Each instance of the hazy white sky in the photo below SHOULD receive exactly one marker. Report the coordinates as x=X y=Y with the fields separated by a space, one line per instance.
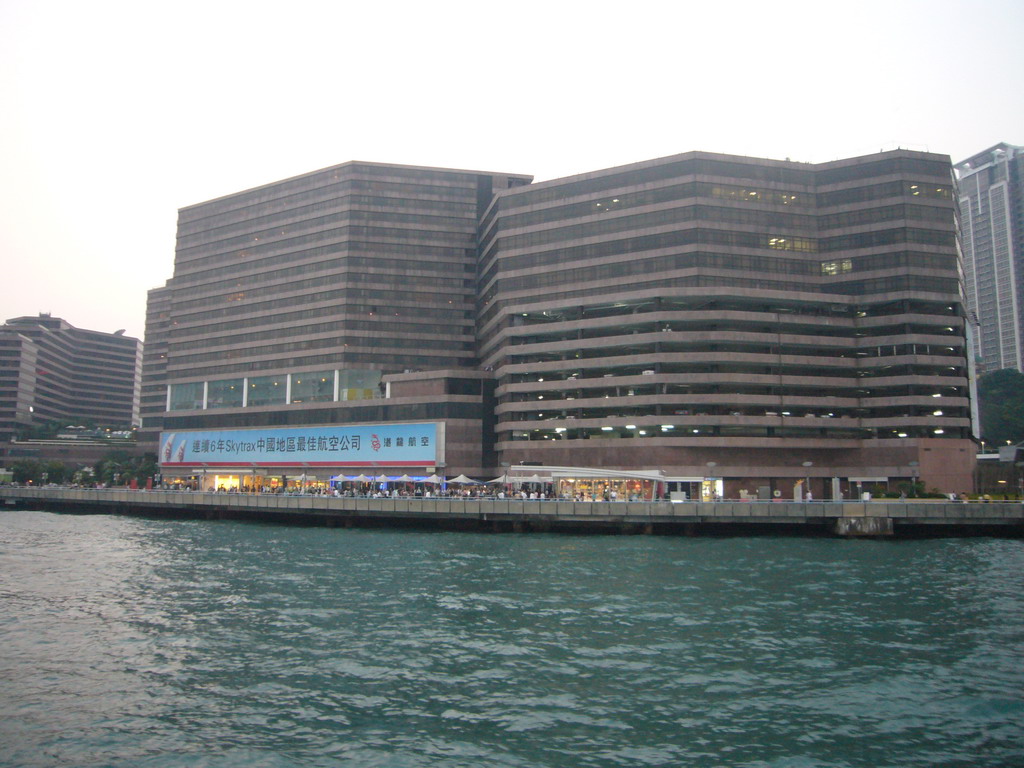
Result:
x=114 y=114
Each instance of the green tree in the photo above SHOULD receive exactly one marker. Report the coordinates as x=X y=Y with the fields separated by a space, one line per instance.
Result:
x=55 y=471
x=1001 y=403
x=27 y=471
x=111 y=467
x=144 y=467
x=120 y=468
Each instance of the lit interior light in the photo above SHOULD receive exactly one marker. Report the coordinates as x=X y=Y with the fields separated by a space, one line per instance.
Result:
x=631 y=426
x=902 y=434
x=666 y=427
x=940 y=431
x=937 y=394
x=936 y=413
x=606 y=429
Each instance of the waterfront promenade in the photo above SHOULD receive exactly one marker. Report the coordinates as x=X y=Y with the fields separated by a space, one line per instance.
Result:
x=847 y=518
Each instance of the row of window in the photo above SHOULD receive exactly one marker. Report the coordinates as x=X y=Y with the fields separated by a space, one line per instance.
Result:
x=278 y=266
x=629 y=247
x=281 y=389
x=292 y=193
x=712 y=352
x=828 y=432
x=746 y=263
x=614 y=202
x=581 y=304
x=690 y=211
x=682 y=378
x=196 y=234
x=796 y=179
x=947 y=287
x=386 y=330
x=287 y=233
x=434 y=294
x=758 y=392
x=418 y=314
x=387 y=347
x=384 y=238
x=396 y=362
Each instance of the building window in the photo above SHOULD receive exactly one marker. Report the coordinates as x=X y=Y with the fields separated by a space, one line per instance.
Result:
x=267 y=390
x=313 y=387
x=225 y=394
x=836 y=267
x=187 y=397
x=354 y=384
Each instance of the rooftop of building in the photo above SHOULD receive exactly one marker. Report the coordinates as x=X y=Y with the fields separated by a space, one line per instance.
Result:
x=47 y=321
x=350 y=164
x=986 y=157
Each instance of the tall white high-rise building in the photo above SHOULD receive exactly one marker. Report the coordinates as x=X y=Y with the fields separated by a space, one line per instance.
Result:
x=992 y=227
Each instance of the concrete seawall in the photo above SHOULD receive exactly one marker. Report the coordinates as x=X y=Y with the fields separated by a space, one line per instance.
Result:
x=875 y=518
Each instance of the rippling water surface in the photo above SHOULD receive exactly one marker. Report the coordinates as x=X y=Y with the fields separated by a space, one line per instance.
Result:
x=139 y=642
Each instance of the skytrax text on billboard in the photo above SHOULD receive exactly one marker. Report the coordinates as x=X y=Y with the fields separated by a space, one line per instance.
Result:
x=391 y=445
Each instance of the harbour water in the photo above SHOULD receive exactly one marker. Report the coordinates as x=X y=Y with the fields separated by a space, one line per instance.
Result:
x=157 y=644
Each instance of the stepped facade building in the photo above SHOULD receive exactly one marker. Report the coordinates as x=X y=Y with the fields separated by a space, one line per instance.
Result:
x=52 y=371
x=726 y=324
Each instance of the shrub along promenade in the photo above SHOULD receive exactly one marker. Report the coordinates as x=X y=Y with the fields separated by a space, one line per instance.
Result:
x=845 y=518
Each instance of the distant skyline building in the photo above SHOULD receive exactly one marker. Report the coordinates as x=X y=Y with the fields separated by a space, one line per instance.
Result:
x=52 y=371
x=736 y=325
x=991 y=198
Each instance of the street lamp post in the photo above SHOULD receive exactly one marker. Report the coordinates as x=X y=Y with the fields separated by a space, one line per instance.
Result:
x=913 y=470
x=807 y=479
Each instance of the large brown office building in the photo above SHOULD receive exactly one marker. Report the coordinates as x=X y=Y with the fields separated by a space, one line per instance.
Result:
x=740 y=325
x=320 y=325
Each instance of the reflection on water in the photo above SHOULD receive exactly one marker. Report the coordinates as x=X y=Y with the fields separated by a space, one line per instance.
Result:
x=134 y=642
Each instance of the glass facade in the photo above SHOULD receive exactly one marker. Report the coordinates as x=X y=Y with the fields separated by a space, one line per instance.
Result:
x=313 y=387
x=187 y=396
x=267 y=390
x=991 y=189
x=226 y=393
x=262 y=391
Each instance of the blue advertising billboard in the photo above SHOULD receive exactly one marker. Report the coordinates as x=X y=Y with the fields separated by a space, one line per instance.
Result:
x=384 y=445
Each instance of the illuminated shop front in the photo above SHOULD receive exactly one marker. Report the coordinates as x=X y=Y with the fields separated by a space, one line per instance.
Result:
x=295 y=458
x=595 y=484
